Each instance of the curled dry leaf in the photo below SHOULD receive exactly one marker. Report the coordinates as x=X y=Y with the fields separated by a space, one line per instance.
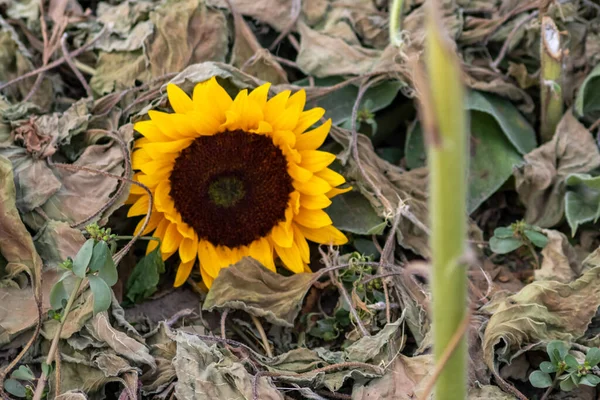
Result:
x=540 y=183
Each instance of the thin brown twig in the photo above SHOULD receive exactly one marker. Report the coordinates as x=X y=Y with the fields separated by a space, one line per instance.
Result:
x=296 y=10
x=54 y=64
x=223 y=319
x=354 y=142
x=121 y=253
x=328 y=368
x=333 y=275
x=71 y=64
x=448 y=351
x=263 y=335
x=594 y=125
x=57 y=361
x=509 y=39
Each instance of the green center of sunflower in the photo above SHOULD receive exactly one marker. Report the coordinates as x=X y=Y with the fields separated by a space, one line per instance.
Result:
x=226 y=191
x=232 y=188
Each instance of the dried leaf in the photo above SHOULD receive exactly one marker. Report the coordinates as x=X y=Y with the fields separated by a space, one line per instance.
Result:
x=582 y=200
x=405 y=379
x=540 y=312
x=204 y=372
x=56 y=241
x=251 y=287
x=560 y=262
x=541 y=181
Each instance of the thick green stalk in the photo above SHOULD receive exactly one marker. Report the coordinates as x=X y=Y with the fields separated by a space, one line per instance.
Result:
x=550 y=79
x=446 y=122
x=396 y=22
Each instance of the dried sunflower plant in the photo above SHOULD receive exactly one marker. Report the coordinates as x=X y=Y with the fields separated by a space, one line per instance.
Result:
x=233 y=178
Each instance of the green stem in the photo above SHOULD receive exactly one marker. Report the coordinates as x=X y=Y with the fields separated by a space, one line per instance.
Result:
x=396 y=22
x=550 y=79
x=448 y=162
x=39 y=390
x=551 y=387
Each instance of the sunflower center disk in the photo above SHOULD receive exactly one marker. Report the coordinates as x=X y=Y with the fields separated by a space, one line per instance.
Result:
x=226 y=191
x=232 y=188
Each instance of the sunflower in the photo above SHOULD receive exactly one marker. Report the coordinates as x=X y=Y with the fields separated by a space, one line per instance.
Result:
x=235 y=178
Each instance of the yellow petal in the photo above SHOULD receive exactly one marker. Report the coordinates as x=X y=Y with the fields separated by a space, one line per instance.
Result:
x=188 y=249
x=301 y=243
x=284 y=138
x=312 y=218
x=171 y=240
x=307 y=119
x=140 y=157
x=210 y=95
x=262 y=252
x=291 y=258
x=166 y=256
x=287 y=120
x=276 y=106
x=294 y=202
x=204 y=123
x=151 y=132
x=142 y=141
x=332 y=177
x=180 y=101
x=325 y=235
x=298 y=173
x=183 y=272
x=158 y=233
x=135 y=189
x=162 y=198
x=312 y=140
x=140 y=207
x=150 y=168
x=259 y=95
x=206 y=278
x=209 y=259
x=178 y=126
x=314 y=186
x=263 y=127
x=155 y=218
x=317 y=202
x=282 y=235
x=185 y=230
x=157 y=150
x=243 y=114
x=316 y=160
x=297 y=100
x=335 y=191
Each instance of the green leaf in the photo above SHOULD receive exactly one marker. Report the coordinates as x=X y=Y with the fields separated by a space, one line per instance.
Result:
x=557 y=351
x=83 y=257
x=593 y=356
x=537 y=238
x=514 y=125
x=101 y=256
x=15 y=388
x=101 y=292
x=58 y=294
x=568 y=383
x=144 y=277
x=548 y=367
x=504 y=246
x=23 y=373
x=504 y=232
x=582 y=200
x=587 y=102
x=46 y=369
x=353 y=213
x=589 y=380
x=493 y=157
x=571 y=362
x=540 y=379
x=338 y=104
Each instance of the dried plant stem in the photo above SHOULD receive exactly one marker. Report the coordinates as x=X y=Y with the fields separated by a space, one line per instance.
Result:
x=54 y=64
x=41 y=384
x=550 y=79
x=445 y=125
x=71 y=64
x=441 y=364
x=263 y=335
x=396 y=22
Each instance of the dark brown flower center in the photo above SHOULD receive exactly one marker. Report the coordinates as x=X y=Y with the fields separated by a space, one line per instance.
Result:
x=232 y=188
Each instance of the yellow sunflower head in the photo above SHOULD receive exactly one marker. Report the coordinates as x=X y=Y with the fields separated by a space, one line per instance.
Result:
x=235 y=178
